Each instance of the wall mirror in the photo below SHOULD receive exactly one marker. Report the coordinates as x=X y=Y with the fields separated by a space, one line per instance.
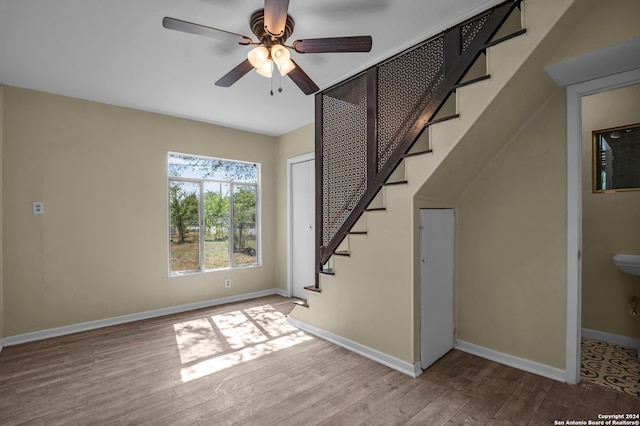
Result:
x=616 y=159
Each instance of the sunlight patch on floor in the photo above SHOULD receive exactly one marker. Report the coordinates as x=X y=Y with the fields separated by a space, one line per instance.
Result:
x=197 y=339
x=209 y=345
x=270 y=320
x=238 y=329
x=213 y=365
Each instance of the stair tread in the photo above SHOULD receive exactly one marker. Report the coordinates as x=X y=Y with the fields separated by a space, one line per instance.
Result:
x=329 y=271
x=440 y=120
x=312 y=288
x=413 y=154
x=301 y=302
x=342 y=253
x=375 y=209
x=400 y=182
x=505 y=38
x=474 y=80
x=357 y=232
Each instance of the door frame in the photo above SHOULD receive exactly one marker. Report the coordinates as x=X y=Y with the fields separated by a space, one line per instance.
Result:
x=602 y=70
x=290 y=162
x=574 y=207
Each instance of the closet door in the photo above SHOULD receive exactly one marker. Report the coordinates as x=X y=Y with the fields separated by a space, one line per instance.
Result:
x=436 y=284
x=303 y=227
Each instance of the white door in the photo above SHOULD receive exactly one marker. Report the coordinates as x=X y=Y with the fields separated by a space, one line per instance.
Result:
x=303 y=227
x=436 y=284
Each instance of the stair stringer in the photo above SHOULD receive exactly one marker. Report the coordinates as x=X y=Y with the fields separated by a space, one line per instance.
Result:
x=374 y=297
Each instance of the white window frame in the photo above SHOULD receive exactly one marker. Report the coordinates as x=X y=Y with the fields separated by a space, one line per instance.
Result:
x=201 y=182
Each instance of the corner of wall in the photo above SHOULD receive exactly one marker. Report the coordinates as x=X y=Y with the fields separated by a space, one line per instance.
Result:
x=1 y=221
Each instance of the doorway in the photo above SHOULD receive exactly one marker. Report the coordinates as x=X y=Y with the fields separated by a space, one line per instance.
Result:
x=574 y=207
x=606 y=69
x=301 y=253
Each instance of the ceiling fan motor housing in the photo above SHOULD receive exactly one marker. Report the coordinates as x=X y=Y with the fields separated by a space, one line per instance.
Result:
x=257 y=27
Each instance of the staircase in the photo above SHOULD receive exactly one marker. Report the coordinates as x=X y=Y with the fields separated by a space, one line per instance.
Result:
x=380 y=137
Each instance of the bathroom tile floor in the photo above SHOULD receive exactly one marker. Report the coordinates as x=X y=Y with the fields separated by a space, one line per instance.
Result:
x=613 y=366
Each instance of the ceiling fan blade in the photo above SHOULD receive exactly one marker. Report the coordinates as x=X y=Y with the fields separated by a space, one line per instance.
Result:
x=189 y=27
x=235 y=74
x=275 y=16
x=302 y=80
x=334 y=44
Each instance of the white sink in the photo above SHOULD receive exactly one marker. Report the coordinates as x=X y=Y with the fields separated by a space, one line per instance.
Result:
x=628 y=263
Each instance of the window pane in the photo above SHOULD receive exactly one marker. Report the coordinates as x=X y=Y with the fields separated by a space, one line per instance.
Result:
x=244 y=225
x=185 y=229
x=216 y=222
x=181 y=165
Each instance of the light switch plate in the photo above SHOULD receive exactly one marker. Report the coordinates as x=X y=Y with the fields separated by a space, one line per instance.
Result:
x=38 y=207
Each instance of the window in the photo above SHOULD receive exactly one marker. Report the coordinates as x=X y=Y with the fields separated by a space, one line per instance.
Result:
x=213 y=211
x=616 y=159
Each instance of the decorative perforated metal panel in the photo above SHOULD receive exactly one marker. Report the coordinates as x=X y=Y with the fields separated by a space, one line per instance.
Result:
x=402 y=95
x=469 y=31
x=406 y=84
x=344 y=152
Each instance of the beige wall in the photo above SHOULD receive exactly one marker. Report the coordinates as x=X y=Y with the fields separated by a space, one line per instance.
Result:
x=369 y=300
x=596 y=24
x=1 y=203
x=292 y=144
x=100 y=249
x=511 y=244
x=609 y=223
x=511 y=232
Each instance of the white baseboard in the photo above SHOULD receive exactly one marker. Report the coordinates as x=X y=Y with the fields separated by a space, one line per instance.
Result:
x=281 y=292
x=512 y=361
x=614 y=339
x=413 y=370
x=92 y=325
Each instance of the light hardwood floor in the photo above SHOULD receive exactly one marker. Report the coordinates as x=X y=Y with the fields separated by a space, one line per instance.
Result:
x=241 y=363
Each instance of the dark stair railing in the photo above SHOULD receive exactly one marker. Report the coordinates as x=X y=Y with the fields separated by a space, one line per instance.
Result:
x=367 y=124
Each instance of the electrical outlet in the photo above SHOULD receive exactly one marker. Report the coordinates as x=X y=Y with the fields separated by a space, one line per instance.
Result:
x=38 y=207
x=227 y=282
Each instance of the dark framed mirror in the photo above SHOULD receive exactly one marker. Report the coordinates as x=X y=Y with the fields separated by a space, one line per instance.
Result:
x=616 y=159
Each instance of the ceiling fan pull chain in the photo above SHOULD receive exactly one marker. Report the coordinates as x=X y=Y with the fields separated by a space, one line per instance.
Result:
x=280 y=80
x=271 y=85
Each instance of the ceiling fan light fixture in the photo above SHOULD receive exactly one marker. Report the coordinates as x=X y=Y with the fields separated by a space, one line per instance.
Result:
x=266 y=69
x=258 y=56
x=286 y=67
x=280 y=54
x=272 y=26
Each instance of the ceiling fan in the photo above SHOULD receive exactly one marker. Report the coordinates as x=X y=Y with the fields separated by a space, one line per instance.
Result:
x=273 y=26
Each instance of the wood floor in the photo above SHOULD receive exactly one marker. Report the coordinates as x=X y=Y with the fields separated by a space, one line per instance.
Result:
x=241 y=363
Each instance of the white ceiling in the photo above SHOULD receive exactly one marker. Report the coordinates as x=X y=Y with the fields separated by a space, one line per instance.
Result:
x=117 y=52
